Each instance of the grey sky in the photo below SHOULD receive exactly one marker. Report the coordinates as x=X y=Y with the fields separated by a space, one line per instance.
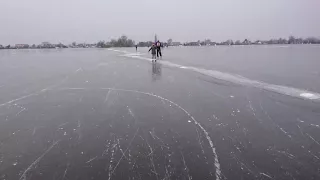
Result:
x=34 y=21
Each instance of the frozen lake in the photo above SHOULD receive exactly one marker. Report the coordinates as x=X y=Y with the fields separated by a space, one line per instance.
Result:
x=244 y=112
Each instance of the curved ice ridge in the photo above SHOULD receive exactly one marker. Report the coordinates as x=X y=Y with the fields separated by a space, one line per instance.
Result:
x=237 y=79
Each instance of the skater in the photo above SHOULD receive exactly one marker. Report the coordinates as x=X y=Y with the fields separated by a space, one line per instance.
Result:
x=153 y=50
x=136 y=48
x=159 y=49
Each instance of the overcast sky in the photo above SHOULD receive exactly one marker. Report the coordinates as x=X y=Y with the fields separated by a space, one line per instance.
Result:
x=35 y=21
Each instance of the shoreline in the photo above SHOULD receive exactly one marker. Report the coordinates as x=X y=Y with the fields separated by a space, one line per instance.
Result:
x=276 y=45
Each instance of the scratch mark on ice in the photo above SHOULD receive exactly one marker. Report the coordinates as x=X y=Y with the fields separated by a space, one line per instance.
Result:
x=154 y=136
x=92 y=159
x=300 y=120
x=281 y=129
x=315 y=125
x=199 y=140
x=135 y=134
x=151 y=159
x=266 y=175
x=65 y=172
x=34 y=131
x=313 y=139
x=21 y=111
x=185 y=167
x=300 y=130
x=78 y=130
x=122 y=150
x=18 y=99
x=131 y=113
x=215 y=117
x=35 y=93
x=243 y=165
x=111 y=159
x=32 y=165
x=80 y=69
x=285 y=132
x=285 y=153
x=107 y=96
x=314 y=155
x=105 y=152
x=253 y=111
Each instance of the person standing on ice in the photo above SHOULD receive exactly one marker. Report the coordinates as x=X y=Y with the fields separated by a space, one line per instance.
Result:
x=158 y=44
x=153 y=50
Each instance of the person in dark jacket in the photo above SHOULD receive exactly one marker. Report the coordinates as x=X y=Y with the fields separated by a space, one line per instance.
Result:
x=153 y=50
x=158 y=44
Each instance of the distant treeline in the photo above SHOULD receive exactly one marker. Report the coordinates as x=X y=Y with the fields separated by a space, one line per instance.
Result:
x=290 y=40
x=124 y=41
x=208 y=42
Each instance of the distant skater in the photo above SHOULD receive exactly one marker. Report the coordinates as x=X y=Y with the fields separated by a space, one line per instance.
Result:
x=159 y=49
x=136 y=48
x=153 y=50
